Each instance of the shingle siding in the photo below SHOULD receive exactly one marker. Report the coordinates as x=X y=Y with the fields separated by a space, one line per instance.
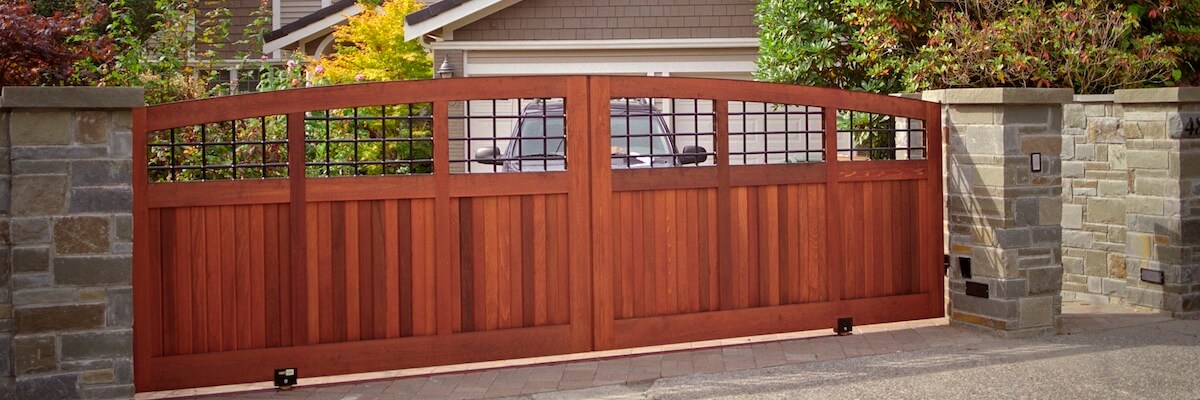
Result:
x=241 y=15
x=615 y=19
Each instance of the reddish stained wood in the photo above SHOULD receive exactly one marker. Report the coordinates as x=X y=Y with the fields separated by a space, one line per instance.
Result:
x=670 y=289
x=724 y=243
x=301 y=297
x=682 y=328
x=352 y=267
x=176 y=372
x=391 y=255
x=833 y=232
x=272 y=283
x=315 y=276
x=859 y=171
x=538 y=248
x=365 y=188
x=591 y=324
x=456 y=271
x=770 y=219
x=159 y=271
x=777 y=174
x=504 y=266
x=405 y=242
x=257 y=288
x=322 y=230
x=216 y=193
x=380 y=268
x=241 y=275
x=690 y=227
x=443 y=256
x=430 y=298
x=148 y=267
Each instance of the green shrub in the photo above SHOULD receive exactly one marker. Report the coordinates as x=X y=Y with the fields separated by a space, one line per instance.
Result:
x=1091 y=46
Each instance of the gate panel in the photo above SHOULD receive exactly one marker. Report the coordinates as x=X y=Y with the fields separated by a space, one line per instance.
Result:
x=819 y=204
x=330 y=233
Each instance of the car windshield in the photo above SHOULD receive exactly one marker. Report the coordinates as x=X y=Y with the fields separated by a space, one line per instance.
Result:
x=544 y=136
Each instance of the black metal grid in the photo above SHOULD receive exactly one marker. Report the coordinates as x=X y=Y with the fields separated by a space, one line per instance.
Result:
x=653 y=132
x=527 y=135
x=369 y=141
x=866 y=136
x=770 y=133
x=253 y=148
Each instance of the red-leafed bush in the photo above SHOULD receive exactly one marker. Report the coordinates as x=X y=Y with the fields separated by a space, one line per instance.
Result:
x=49 y=50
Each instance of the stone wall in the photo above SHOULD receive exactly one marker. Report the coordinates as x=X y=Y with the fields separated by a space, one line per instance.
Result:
x=1162 y=128
x=66 y=311
x=1002 y=216
x=1096 y=182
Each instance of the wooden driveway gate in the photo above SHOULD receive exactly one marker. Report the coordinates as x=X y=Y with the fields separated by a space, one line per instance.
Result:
x=349 y=228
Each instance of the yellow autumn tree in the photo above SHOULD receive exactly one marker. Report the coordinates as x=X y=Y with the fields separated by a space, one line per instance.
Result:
x=371 y=47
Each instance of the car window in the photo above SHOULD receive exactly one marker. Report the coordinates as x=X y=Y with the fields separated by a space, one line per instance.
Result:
x=544 y=136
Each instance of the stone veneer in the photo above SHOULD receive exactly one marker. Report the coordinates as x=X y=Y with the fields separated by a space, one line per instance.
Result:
x=1162 y=129
x=1002 y=216
x=1096 y=183
x=66 y=311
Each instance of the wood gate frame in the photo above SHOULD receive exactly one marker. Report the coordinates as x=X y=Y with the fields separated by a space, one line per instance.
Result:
x=278 y=296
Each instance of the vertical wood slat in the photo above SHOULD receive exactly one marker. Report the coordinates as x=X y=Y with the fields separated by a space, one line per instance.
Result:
x=597 y=163
x=300 y=323
x=443 y=256
x=833 y=234
x=930 y=217
x=148 y=272
x=724 y=223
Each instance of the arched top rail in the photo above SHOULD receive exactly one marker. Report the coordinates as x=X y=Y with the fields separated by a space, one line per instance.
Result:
x=282 y=102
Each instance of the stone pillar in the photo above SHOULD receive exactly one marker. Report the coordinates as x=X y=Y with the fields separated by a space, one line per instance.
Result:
x=1162 y=128
x=66 y=311
x=1003 y=217
x=1095 y=185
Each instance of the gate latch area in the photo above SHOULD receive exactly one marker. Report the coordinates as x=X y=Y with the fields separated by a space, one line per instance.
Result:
x=845 y=326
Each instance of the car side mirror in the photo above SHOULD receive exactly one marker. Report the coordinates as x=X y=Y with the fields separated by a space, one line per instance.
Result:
x=692 y=155
x=487 y=155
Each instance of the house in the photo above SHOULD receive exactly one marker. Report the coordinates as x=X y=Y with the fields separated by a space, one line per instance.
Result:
x=704 y=38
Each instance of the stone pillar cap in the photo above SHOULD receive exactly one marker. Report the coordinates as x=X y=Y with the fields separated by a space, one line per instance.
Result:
x=999 y=96
x=1158 y=95
x=83 y=97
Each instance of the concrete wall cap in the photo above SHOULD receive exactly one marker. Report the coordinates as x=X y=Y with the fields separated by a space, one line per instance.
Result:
x=72 y=97
x=999 y=96
x=1158 y=95
x=1095 y=98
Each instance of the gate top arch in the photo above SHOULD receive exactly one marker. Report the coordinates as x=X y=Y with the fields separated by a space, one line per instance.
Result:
x=347 y=229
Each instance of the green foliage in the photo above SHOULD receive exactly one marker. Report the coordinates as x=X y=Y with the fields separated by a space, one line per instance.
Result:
x=848 y=44
x=371 y=47
x=176 y=58
x=888 y=46
x=1178 y=21
x=1087 y=45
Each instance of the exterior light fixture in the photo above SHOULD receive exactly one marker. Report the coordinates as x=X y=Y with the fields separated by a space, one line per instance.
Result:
x=445 y=70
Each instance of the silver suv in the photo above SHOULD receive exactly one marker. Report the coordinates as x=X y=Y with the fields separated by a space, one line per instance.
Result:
x=640 y=139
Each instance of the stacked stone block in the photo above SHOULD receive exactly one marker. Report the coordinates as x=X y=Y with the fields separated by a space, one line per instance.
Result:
x=1096 y=181
x=66 y=297
x=1162 y=127
x=1001 y=215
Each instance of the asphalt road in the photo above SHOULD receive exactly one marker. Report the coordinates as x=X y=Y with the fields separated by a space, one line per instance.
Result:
x=1155 y=361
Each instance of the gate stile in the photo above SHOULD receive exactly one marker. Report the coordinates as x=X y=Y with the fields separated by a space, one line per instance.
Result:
x=332 y=275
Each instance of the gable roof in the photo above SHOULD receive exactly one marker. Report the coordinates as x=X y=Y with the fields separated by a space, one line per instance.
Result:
x=450 y=13
x=323 y=20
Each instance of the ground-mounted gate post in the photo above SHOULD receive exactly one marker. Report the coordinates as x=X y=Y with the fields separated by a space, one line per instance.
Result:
x=66 y=308
x=1004 y=207
x=1162 y=128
